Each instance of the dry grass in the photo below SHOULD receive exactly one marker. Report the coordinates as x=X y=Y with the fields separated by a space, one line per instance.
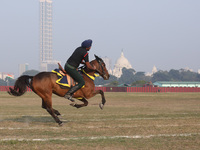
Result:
x=129 y=121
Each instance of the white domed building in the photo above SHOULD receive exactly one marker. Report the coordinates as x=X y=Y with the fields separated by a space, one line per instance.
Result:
x=154 y=70
x=121 y=63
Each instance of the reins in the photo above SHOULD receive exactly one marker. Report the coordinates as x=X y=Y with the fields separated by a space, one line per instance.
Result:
x=98 y=71
x=101 y=73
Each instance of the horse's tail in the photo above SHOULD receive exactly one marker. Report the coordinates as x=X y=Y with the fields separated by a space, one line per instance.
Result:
x=20 y=85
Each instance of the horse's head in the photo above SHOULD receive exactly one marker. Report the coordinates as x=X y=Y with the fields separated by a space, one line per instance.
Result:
x=101 y=67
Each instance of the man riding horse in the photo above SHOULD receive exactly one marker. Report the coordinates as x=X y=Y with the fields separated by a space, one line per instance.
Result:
x=79 y=56
x=44 y=83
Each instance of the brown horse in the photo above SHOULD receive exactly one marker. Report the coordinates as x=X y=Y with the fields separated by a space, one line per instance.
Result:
x=44 y=84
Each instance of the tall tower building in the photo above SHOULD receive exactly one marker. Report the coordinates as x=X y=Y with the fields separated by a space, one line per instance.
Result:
x=23 y=68
x=46 y=59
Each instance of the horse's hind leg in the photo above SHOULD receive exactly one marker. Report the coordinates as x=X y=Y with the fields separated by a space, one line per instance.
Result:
x=47 y=104
x=85 y=103
x=55 y=111
x=51 y=112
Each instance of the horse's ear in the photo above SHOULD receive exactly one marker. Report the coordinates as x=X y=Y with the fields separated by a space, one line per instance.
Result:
x=97 y=58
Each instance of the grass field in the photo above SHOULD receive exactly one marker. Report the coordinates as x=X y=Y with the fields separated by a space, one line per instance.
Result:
x=149 y=121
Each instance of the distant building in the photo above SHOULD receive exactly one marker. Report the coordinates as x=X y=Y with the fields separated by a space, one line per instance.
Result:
x=108 y=63
x=120 y=64
x=4 y=75
x=176 y=84
x=188 y=69
x=23 y=68
x=154 y=70
x=52 y=65
x=46 y=58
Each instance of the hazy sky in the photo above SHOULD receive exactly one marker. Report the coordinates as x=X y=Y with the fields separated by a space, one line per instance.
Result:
x=164 y=33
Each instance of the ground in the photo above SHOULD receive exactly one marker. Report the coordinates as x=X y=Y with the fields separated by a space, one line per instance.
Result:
x=149 y=121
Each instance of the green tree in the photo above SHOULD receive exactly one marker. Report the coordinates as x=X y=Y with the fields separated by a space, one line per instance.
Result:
x=189 y=76
x=30 y=72
x=9 y=81
x=140 y=76
x=174 y=75
x=161 y=76
x=127 y=76
x=100 y=81
x=139 y=83
x=2 y=82
x=113 y=83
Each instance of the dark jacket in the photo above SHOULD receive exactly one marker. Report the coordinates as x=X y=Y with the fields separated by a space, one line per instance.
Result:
x=78 y=56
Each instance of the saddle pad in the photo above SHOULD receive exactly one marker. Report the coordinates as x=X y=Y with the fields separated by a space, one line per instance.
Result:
x=63 y=80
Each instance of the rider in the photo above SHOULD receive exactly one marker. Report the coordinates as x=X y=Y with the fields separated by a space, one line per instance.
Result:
x=80 y=55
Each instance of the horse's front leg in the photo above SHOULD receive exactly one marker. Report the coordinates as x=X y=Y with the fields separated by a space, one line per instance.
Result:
x=102 y=97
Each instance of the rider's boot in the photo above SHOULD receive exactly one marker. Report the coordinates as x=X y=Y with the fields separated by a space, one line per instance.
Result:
x=69 y=94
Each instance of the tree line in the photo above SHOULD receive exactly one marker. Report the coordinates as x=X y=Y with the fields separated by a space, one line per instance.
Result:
x=130 y=77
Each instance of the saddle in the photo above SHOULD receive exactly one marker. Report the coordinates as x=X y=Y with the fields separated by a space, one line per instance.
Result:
x=62 y=71
x=64 y=79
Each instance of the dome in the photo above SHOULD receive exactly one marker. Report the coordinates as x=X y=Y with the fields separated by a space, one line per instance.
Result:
x=121 y=63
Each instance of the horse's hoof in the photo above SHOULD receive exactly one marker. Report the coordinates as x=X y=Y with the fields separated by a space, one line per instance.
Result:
x=60 y=124
x=101 y=106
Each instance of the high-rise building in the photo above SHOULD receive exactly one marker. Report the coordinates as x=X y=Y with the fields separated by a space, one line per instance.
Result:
x=46 y=58
x=23 y=68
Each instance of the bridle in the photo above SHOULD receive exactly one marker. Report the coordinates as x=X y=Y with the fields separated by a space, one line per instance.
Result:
x=100 y=70
x=101 y=73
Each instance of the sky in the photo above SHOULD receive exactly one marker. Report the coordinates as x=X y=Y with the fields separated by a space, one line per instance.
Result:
x=164 y=33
